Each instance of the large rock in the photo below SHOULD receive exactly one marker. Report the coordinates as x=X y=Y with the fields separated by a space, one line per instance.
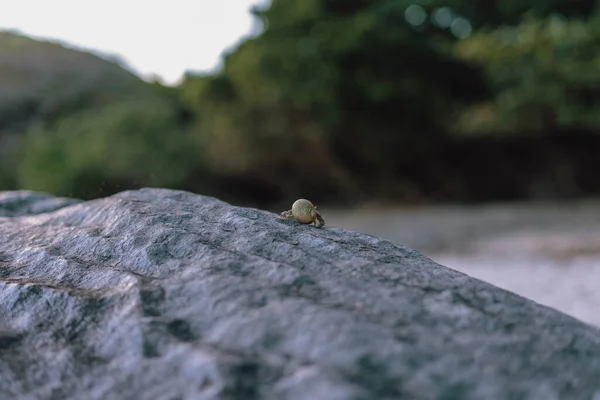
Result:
x=158 y=294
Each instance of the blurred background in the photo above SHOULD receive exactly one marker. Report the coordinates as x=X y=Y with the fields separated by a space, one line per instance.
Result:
x=469 y=130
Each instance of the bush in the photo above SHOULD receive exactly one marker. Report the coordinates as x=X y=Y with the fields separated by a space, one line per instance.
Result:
x=100 y=151
x=543 y=73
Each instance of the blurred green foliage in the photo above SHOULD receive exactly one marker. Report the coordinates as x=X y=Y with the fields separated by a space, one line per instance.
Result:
x=334 y=100
x=127 y=144
x=544 y=74
x=497 y=14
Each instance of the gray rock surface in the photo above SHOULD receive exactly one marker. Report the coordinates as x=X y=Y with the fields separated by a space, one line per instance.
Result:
x=24 y=202
x=159 y=294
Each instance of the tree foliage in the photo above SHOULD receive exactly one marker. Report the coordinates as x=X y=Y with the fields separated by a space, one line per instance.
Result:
x=543 y=73
x=331 y=95
x=128 y=144
x=496 y=14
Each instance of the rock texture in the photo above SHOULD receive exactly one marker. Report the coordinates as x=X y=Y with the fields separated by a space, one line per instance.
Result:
x=21 y=203
x=159 y=294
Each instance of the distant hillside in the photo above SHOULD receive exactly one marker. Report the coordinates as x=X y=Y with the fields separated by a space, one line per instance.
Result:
x=41 y=80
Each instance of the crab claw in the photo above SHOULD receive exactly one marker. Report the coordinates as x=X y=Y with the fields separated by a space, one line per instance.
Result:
x=319 y=222
x=286 y=214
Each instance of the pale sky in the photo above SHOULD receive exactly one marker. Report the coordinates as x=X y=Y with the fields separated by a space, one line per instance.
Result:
x=163 y=37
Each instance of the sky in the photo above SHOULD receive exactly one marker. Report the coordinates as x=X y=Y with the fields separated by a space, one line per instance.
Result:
x=159 y=37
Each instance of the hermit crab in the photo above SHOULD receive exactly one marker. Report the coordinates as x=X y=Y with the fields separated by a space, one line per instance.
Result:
x=304 y=212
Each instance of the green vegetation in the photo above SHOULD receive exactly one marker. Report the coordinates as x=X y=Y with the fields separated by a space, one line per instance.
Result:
x=132 y=143
x=543 y=73
x=331 y=101
x=41 y=81
x=72 y=123
x=335 y=100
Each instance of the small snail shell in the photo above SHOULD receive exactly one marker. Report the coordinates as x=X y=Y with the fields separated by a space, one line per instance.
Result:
x=304 y=211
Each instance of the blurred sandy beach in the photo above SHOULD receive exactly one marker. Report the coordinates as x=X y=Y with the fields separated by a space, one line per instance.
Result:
x=548 y=252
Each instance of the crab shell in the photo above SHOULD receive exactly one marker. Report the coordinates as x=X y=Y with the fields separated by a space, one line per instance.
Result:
x=304 y=211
